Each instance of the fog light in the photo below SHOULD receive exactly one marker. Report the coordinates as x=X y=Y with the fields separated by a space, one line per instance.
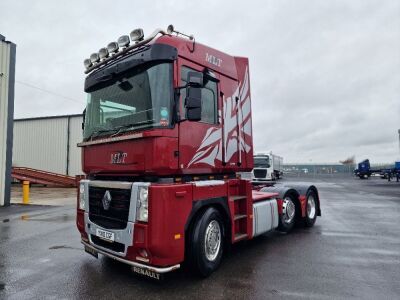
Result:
x=143 y=253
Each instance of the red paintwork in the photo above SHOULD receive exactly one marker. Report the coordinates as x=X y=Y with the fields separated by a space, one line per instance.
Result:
x=153 y=153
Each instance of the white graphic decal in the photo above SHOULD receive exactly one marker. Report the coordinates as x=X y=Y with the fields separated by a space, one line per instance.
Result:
x=236 y=116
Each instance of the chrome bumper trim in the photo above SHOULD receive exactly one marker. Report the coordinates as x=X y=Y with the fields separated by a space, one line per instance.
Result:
x=132 y=263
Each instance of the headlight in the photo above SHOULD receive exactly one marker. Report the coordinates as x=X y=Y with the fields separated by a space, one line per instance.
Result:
x=82 y=196
x=142 y=208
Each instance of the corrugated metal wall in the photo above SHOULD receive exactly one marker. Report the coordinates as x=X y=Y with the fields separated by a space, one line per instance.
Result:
x=75 y=137
x=43 y=144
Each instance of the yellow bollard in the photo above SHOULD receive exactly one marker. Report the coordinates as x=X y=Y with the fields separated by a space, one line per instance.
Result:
x=25 y=192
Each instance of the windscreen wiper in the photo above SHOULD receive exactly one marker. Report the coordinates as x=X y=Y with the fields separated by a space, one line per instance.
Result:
x=96 y=133
x=126 y=127
x=117 y=130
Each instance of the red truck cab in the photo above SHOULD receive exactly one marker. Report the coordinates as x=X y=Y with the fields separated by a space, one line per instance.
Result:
x=167 y=129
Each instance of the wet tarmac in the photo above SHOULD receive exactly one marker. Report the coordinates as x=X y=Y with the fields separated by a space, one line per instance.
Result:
x=353 y=251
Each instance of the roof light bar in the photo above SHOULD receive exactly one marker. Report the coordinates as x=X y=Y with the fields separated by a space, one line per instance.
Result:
x=112 y=50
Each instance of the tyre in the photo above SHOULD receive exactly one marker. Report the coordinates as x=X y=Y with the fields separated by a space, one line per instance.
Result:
x=311 y=209
x=289 y=214
x=207 y=242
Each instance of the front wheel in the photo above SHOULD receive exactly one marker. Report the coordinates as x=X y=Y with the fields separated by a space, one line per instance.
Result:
x=207 y=241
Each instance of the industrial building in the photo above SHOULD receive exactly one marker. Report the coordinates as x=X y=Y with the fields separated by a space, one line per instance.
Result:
x=49 y=144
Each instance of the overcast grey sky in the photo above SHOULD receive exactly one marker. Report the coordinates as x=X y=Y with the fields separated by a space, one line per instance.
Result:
x=325 y=75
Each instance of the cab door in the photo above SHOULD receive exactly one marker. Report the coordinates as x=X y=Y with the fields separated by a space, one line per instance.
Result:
x=200 y=142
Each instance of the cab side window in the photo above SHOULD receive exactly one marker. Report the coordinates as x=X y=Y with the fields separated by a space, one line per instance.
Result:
x=208 y=98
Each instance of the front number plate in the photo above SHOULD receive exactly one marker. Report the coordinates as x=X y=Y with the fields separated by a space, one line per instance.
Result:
x=105 y=235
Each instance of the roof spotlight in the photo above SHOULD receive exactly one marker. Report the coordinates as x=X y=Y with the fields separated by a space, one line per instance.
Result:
x=103 y=53
x=112 y=47
x=123 y=41
x=170 y=29
x=87 y=63
x=94 y=58
x=137 y=35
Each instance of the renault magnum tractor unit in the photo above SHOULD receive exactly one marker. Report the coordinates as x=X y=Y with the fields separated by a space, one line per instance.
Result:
x=166 y=129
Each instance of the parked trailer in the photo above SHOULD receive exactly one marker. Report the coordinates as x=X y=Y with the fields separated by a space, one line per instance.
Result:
x=167 y=128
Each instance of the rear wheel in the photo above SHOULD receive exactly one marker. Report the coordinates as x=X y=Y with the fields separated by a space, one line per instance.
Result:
x=288 y=216
x=207 y=240
x=311 y=209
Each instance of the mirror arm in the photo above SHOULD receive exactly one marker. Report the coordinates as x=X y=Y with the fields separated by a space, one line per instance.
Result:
x=177 y=95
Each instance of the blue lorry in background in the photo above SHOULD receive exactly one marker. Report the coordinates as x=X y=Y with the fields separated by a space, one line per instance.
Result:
x=364 y=171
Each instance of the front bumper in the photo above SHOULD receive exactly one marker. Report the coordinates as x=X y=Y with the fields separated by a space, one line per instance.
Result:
x=159 y=270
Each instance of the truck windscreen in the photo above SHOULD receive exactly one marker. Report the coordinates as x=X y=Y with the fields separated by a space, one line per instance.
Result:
x=261 y=162
x=142 y=98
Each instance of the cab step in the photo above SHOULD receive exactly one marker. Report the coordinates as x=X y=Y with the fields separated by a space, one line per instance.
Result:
x=240 y=236
x=239 y=216
x=236 y=198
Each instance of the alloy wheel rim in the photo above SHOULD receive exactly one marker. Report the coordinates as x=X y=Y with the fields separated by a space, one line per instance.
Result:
x=212 y=240
x=289 y=210
x=311 y=207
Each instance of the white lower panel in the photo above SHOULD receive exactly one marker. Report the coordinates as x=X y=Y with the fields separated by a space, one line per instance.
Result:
x=265 y=216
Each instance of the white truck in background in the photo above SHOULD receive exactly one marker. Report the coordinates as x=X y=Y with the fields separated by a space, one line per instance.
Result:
x=267 y=166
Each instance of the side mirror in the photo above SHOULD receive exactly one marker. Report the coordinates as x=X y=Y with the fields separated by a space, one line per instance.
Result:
x=193 y=98
x=193 y=103
x=84 y=117
x=195 y=79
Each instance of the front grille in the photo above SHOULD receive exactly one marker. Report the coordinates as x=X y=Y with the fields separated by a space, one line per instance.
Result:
x=260 y=173
x=113 y=246
x=116 y=216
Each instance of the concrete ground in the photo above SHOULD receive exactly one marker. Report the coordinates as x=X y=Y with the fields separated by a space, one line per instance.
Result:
x=353 y=251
